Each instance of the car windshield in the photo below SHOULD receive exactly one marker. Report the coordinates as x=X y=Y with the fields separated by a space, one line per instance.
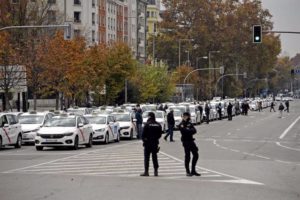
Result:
x=159 y=115
x=177 y=113
x=182 y=109
x=97 y=120
x=122 y=118
x=31 y=119
x=61 y=122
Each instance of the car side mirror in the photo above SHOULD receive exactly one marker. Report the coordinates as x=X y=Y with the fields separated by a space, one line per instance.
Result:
x=80 y=125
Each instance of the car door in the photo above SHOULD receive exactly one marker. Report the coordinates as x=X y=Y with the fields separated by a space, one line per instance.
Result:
x=6 y=135
x=86 y=128
x=81 y=136
x=111 y=124
x=14 y=128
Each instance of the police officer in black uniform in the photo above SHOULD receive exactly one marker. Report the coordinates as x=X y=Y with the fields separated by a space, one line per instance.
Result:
x=187 y=130
x=151 y=134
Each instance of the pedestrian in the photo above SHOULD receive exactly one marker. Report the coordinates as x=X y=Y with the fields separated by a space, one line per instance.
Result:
x=229 y=111
x=187 y=131
x=287 y=105
x=139 y=123
x=151 y=135
x=219 y=110
x=171 y=125
x=247 y=108
x=237 y=108
x=272 y=107
x=207 y=112
x=201 y=112
x=281 y=108
x=259 y=106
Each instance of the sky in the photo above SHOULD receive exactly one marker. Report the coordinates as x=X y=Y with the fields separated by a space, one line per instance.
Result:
x=286 y=17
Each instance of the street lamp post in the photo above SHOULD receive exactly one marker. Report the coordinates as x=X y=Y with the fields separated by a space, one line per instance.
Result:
x=179 y=49
x=198 y=58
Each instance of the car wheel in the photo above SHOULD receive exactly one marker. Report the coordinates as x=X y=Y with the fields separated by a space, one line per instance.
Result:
x=19 y=142
x=39 y=148
x=131 y=134
x=76 y=143
x=106 y=139
x=90 y=144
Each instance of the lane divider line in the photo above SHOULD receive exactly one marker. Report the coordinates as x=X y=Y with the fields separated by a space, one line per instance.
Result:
x=289 y=128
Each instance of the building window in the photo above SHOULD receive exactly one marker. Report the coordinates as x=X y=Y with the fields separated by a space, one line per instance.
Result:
x=51 y=1
x=93 y=3
x=148 y=14
x=93 y=19
x=93 y=36
x=77 y=2
x=77 y=17
x=77 y=33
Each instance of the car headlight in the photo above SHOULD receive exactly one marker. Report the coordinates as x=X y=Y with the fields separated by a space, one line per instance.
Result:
x=68 y=134
x=100 y=130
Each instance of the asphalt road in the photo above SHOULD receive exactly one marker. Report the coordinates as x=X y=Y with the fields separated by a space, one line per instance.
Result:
x=251 y=157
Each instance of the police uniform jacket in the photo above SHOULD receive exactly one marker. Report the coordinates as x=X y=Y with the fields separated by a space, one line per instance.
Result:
x=151 y=133
x=187 y=131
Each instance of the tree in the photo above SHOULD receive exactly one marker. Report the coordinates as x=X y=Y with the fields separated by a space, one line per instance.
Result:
x=224 y=26
x=11 y=74
x=121 y=66
x=61 y=60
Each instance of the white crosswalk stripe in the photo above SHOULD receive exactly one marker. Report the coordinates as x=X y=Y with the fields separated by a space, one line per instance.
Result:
x=124 y=161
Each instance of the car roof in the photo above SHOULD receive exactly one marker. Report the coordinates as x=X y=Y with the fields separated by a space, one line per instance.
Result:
x=97 y=115
x=35 y=113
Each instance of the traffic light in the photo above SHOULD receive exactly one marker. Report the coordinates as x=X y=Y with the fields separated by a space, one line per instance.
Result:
x=257 y=34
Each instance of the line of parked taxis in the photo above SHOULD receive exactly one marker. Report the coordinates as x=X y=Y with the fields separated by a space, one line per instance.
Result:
x=86 y=126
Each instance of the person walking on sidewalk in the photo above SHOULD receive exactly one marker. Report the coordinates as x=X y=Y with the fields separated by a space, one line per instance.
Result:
x=229 y=111
x=207 y=112
x=287 y=105
x=272 y=107
x=139 y=123
x=151 y=134
x=281 y=108
x=171 y=125
x=187 y=131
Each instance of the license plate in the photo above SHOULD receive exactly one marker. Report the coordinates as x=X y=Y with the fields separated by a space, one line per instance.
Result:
x=51 y=140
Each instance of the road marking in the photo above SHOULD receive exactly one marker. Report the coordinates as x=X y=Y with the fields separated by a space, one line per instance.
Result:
x=263 y=157
x=61 y=159
x=289 y=128
x=240 y=180
x=290 y=148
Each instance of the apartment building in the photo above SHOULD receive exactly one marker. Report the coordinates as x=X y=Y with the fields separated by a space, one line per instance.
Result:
x=153 y=17
x=106 y=21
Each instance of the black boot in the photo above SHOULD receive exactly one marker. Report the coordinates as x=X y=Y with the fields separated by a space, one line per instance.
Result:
x=194 y=173
x=155 y=172
x=145 y=174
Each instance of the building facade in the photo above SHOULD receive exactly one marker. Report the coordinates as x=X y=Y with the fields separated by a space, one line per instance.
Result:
x=153 y=17
x=106 y=21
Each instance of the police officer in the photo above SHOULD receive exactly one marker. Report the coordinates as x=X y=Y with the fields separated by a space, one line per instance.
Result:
x=187 y=131
x=207 y=112
x=151 y=134
x=229 y=111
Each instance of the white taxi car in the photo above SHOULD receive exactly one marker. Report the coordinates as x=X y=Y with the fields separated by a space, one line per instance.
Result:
x=105 y=127
x=160 y=118
x=10 y=131
x=128 y=127
x=31 y=122
x=65 y=130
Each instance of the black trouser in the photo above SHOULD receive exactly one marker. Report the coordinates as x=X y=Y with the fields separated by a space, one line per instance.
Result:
x=229 y=116
x=207 y=118
x=220 y=115
x=150 y=149
x=190 y=147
